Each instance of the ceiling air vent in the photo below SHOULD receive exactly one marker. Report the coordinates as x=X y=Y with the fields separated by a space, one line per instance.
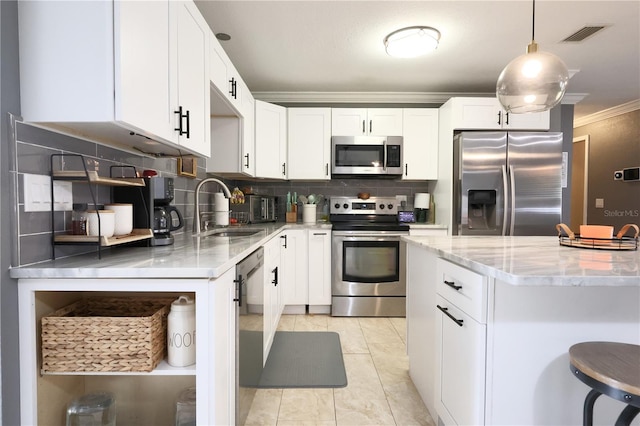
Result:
x=583 y=33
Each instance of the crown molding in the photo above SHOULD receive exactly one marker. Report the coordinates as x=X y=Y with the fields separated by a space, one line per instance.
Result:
x=607 y=113
x=362 y=97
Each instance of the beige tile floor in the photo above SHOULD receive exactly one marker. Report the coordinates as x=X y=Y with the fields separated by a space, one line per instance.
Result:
x=379 y=390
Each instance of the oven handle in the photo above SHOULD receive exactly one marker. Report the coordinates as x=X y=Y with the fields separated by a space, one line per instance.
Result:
x=394 y=236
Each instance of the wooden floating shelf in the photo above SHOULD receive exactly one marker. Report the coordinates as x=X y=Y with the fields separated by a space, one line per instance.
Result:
x=79 y=175
x=135 y=235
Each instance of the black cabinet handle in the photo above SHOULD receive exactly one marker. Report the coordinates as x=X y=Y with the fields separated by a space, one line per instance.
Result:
x=363 y=128
x=284 y=169
x=507 y=116
x=370 y=126
x=446 y=312
x=453 y=285
x=406 y=169
x=285 y=240
x=319 y=233
x=188 y=124
x=275 y=276
x=233 y=92
x=499 y=116
x=247 y=157
x=326 y=169
x=239 y=282
x=181 y=131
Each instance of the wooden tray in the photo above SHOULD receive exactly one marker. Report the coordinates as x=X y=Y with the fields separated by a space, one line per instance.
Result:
x=99 y=180
x=619 y=242
x=135 y=235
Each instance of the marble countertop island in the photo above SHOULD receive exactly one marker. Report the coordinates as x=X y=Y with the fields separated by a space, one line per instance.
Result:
x=536 y=261
x=188 y=257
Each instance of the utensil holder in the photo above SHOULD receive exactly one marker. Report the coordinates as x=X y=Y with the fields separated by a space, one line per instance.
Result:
x=292 y=217
x=308 y=213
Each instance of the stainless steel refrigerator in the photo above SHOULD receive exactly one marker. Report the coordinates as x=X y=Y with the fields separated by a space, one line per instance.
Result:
x=507 y=183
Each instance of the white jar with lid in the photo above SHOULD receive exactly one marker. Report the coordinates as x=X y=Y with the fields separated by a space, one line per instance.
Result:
x=181 y=332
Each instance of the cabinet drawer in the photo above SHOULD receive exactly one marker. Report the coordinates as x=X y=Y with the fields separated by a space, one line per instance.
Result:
x=464 y=288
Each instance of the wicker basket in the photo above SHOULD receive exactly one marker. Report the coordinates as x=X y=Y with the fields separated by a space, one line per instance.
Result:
x=102 y=334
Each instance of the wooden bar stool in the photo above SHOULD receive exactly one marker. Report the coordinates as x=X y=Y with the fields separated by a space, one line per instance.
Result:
x=608 y=368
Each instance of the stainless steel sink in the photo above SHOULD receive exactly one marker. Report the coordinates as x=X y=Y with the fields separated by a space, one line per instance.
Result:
x=229 y=233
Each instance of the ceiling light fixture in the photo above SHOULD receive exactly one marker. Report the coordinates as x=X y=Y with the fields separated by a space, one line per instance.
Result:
x=533 y=82
x=411 y=41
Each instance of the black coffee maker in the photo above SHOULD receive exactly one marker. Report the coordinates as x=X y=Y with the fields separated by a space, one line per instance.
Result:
x=152 y=208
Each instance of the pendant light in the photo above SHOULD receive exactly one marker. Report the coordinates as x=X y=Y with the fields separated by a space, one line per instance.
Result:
x=533 y=82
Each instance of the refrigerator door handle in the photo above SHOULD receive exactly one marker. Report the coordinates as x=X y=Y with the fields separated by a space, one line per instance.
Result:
x=513 y=200
x=505 y=192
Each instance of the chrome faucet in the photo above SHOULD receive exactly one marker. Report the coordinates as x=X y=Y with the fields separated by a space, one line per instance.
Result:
x=196 y=210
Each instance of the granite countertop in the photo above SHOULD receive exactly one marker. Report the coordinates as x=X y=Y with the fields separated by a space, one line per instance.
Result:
x=536 y=260
x=188 y=257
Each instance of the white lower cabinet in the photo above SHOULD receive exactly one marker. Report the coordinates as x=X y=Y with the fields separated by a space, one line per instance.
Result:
x=307 y=267
x=273 y=290
x=461 y=332
x=141 y=397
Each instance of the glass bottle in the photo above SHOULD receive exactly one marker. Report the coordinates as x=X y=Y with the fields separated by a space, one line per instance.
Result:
x=79 y=219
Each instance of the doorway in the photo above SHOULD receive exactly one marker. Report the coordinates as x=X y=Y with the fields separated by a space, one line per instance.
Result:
x=579 y=182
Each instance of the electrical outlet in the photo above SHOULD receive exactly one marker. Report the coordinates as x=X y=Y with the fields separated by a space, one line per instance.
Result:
x=37 y=194
x=599 y=203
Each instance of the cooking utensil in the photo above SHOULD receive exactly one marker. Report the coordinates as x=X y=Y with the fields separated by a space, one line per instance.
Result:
x=302 y=199
x=312 y=198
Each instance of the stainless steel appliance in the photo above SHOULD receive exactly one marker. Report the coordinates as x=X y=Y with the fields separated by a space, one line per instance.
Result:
x=507 y=183
x=366 y=155
x=250 y=331
x=368 y=270
x=259 y=208
x=152 y=208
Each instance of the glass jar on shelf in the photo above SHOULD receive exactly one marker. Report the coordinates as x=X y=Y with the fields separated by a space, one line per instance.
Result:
x=79 y=219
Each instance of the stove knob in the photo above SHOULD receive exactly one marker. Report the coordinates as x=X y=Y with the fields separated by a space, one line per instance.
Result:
x=336 y=205
x=345 y=205
x=382 y=206
x=390 y=206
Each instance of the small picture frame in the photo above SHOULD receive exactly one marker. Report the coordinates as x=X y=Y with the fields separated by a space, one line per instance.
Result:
x=188 y=166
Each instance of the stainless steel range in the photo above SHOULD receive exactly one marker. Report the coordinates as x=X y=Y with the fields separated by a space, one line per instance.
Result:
x=368 y=271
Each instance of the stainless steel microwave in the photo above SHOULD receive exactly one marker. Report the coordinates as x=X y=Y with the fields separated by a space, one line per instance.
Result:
x=366 y=155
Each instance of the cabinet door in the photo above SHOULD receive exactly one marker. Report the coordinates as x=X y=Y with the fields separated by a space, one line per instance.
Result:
x=529 y=121
x=319 y=267
x=384 y=121
x=477 y=113
x=224 y=346
x=349 y=122
x=271 y=139
x=143 y=87
x=295 y=267
x=309 y=143
x=420 y=144
x=193 y=77
x=218 y=65
x=247 y=109
x=460 y=378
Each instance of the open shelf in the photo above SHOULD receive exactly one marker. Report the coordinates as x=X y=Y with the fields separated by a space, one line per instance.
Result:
x=163 y=369
x=92 y=177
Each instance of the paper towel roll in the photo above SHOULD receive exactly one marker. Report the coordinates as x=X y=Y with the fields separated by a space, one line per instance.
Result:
x=421 y=200
x=221 y=203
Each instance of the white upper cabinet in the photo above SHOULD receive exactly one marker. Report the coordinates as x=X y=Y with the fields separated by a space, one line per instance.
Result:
x=488 y=114
x=420 y=143
x=223 y=74
x=309 y=143
x=366 y=121
x=271 y=140
x=192 y=64
x=248 y=112
x=117 y=72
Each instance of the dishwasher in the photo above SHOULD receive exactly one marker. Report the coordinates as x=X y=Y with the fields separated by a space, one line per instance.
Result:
x=250 y=331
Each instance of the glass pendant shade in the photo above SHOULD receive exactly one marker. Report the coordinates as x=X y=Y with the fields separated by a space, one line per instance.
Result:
x=533 y=82
x=411 y=42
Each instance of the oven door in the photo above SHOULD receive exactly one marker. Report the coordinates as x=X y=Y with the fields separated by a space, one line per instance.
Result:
x=371 y=264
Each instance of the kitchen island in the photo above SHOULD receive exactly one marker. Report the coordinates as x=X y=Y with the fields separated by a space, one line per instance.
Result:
x=203 y=267
x=490 y=321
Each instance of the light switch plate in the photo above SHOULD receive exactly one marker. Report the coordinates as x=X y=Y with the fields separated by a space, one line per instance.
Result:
x=599 y=203
x=37 y=194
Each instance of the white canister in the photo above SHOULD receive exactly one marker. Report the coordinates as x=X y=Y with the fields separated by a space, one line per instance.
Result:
x=181 y=332
x=107 y=223
x=220 y=202
x=308 y=213
x=123 y=219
